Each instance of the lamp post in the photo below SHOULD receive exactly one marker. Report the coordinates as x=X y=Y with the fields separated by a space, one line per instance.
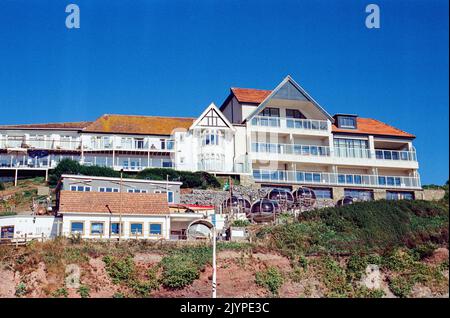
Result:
x=214 y=267
x=120 y=205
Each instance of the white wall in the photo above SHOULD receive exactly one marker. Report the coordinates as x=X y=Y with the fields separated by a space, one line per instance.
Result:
x=32 y=226
x=68 y=218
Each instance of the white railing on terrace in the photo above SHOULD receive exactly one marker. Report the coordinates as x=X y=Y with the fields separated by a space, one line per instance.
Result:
x=291 y=149
x=133 y=146
x=50 y=144
x=340 y=152
x=51 y=161
x=290 y=123
x=325 y=178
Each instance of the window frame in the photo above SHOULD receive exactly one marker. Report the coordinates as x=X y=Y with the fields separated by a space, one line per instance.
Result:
x=83 y=229
x=343 y=122
x=142 y=229
x=97 y=222
x=113 y=190
x=150 y=229
x=121 y=224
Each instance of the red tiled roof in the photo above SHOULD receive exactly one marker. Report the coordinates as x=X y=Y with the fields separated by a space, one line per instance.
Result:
x=145 y=125
x=250 y=95
x=69 y=125
x=95 y=202
x=369 y=126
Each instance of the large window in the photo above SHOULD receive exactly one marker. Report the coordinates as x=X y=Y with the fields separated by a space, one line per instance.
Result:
x=323 y=193
x=270 y=112
x=211 y=138
x=361 y=195
x=155 y=229
x=97 y=228
x=136 y=229
x=353 y=148
x=294 y=113
x=399 y=195
x=77 y=227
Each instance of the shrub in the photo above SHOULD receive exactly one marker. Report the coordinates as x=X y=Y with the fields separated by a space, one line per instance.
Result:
x=241 y=223
x=84 y=291
x=60 y=292
x=400 y=286
x=120 y=269
x=357 y=264
x=197 y=179
x=181 y=267
x=67 y=166
x=21 y=289
x=271 y=279
x=381 y=225
x=2 y=186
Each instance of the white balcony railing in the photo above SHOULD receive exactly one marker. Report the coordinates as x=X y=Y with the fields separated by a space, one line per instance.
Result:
x=133 y=145
x=42 y=144
x=339 y=152
x=290 y=123
x=325 y=178
x=291 y=149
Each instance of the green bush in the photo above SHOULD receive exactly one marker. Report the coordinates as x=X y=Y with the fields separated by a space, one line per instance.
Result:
x=241 y=223
x=2 y=186
x=400 y=286
x=21 y=289
x=121 y=270
x=197 y=179
x=271 y=279
x=84 y=291
x=67 y=166
x=181 y=267
x=379 y=225
x=60 y=292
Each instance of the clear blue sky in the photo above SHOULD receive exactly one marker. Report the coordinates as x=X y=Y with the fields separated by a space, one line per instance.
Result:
x=175 y=57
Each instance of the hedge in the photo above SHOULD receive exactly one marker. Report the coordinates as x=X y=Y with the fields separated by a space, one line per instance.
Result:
x=199 y=179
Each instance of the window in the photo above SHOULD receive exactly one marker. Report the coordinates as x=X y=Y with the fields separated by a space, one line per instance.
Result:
x=170 y=197
x=163 y=144
x=347 y=122
x=399 y=195
x=294 y=113
x=270 y=112
x=135 y=228
x=97 y=228
x=136 y=191
x=362 y=195
x=107 y=189
x=77 y=227
x=155 y=229
x=115 y=228
x=139 y=143
x=211 y=138
x=323 y=193
x=80 y=188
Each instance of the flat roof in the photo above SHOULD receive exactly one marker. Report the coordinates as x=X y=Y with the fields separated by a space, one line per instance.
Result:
x=76 y=176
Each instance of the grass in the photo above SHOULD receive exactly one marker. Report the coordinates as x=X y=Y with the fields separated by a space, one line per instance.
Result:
x=271 y=279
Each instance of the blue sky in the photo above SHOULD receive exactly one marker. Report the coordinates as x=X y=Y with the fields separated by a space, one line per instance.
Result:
x=175 y=57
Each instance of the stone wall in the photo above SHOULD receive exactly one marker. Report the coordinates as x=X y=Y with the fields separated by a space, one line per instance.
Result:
x=429 y=194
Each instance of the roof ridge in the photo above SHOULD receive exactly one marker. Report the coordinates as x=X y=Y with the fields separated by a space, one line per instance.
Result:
x=158 y=116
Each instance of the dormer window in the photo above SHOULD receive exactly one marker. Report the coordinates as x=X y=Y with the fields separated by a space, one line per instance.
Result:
x=346 y=121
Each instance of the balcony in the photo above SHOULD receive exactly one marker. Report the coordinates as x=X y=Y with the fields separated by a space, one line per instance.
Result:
x=43 y=144
x=325 y=178
x=291 y=149
x=130 y=145
x=292 y=125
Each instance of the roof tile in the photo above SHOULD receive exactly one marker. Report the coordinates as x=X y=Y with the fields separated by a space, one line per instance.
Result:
x=369 y=126
x=145 y=125
x=250 y=95
x=97 y=202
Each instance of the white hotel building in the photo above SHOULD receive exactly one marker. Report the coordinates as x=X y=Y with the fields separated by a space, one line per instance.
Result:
x=274 y=138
